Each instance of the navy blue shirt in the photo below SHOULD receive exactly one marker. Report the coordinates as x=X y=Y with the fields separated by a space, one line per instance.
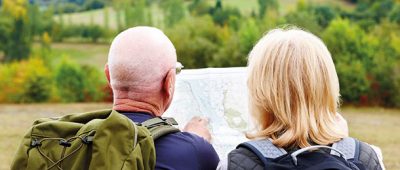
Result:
x=181 y=150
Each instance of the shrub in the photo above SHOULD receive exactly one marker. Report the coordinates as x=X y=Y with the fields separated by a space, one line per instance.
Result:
x=196 y=42
x=221 y=15
x=352 y=56
x=353 y=81
x=94 y=82
x=199 y=7
x=25 y=81
x=70 y=81
x=174 y=11
x=9 y=83
x=93 y=32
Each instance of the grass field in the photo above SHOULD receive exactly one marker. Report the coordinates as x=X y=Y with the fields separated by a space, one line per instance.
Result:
x=377 y=126
x=83 y=53
x=93 y=54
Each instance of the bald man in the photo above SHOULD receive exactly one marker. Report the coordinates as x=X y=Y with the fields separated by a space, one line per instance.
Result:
x=141 y=72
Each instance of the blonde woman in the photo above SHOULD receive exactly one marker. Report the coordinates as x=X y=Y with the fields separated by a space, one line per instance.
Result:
x=293 y=97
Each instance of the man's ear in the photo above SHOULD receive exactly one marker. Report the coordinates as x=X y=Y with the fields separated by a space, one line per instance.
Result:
x=169 y=84
x=107 y=72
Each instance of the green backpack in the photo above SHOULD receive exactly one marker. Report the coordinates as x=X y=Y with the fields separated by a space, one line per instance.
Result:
x=93 y=140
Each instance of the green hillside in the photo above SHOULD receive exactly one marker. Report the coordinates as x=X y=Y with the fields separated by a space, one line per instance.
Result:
x=246 y=7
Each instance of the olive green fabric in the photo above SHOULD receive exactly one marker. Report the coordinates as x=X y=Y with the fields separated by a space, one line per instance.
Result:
x=159 y=126
x=98 y=140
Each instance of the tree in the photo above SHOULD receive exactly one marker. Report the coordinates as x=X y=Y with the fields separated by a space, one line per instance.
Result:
x=386 y=55
x=303 y=19
x=265 y=5
x=174 y=11
x=394 y=15
x=19 y=44
x=352 y=55
x=137 y=13
x=94 y=4
x=118 y=6
x=199 y=7
x=249 y=33
x=94 y=32
x=70 y=81
x=221 y=15
x=5 y=31
x=196 y=42
x=324 y=14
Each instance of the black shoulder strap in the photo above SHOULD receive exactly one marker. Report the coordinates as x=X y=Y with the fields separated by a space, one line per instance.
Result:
x=159 y=126
x=264 y=149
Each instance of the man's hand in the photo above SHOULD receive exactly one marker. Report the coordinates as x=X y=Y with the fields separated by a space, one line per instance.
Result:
x=198 y=125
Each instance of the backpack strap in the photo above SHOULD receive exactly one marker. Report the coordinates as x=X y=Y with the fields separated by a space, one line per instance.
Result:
x=263 y=148
x=159 y=126
x=350 y=147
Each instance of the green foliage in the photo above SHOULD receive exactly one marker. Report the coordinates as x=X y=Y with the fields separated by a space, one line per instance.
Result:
x=94 y=4
x=38 y=86
x=265 y=5
x=33 y=81
x=352 y=47
x=69 y=81
x=310 y=17
x=75 y=83
x=380 y=9
x=249 y=33
x=19 y=47
x=365 y=63
x=385 y=62
x=303 y=19
x=19 y=43
x=363 y=41
x=394 y=15
x=199 y=7
x=353 y=87
x=72 y=6
x=94 y=82
x=230 y=55
x=5 y=30
x=137 y=13
x=351 y=55
x=369 y=13
x=26 y=81
x=221 y=16
x=69 y=8
x=91 y=32
x=94 y=32
x=195 y=42
x=324 y=14
x=174 y=11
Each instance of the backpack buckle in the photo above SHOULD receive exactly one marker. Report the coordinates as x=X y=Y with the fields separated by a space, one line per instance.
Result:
x=169 y=120
x=87 y=139
x=36 y=142
x=65 y=143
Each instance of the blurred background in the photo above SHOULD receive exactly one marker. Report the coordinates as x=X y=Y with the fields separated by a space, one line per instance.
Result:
x=54 y=51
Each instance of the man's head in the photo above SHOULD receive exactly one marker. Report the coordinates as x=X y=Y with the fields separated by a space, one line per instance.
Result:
x=141 y=70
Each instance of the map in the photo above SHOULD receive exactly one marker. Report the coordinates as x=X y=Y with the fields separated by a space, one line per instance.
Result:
x=220 y=94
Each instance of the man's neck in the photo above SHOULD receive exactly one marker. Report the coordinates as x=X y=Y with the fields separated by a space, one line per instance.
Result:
x=129 y=105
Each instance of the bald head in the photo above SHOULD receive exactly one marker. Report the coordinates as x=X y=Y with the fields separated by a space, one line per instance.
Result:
x=139 y=59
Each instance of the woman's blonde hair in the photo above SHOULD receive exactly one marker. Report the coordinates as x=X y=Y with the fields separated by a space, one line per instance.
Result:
x=293 y=90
